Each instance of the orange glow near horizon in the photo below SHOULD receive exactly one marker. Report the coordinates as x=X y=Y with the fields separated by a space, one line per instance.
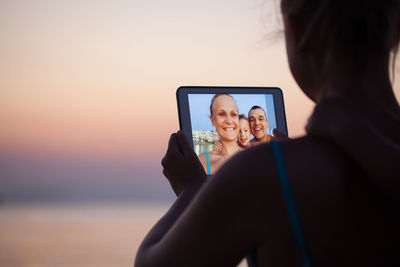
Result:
x=98 y=78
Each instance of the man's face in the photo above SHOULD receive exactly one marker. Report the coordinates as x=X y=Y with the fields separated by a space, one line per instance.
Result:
x=258 y=123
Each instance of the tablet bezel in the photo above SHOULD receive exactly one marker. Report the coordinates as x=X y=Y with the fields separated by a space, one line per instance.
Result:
x=184 y=111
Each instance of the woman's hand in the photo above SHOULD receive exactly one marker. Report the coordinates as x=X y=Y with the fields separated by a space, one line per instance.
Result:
x=217 y=147
x=181 y=165
x=279 y=136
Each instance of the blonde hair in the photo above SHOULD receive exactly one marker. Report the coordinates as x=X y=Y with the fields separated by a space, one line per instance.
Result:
x=213 y=100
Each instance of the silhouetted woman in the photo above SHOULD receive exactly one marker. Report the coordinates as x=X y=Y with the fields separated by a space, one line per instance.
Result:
x=330 y=198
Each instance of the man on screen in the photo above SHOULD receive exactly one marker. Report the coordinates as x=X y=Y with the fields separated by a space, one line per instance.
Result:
x=259 y=125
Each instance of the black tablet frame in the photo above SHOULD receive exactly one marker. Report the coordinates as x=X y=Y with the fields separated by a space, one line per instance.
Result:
x=184 y=111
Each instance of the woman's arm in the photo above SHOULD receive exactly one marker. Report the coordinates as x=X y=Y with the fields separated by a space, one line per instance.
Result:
x=212 y=225
x=151 y=252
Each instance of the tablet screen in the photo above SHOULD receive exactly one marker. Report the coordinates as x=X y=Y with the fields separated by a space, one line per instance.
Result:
x=221 y=121
x=248 y=128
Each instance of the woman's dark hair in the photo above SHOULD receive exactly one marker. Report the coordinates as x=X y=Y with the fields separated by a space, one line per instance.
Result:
x=213 y=99
x=356 y=28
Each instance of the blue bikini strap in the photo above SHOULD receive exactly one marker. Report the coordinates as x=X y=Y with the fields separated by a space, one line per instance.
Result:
x=289 y=201
x=208 y=164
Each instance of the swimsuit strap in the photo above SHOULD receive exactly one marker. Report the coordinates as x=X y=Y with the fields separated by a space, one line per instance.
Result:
x=208 y=164
x=252 y=258
x=289 y=201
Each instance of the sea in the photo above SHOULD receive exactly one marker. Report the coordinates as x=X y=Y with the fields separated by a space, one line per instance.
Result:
x=77 y=234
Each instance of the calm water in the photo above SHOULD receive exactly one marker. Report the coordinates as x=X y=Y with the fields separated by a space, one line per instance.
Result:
x=49 y=235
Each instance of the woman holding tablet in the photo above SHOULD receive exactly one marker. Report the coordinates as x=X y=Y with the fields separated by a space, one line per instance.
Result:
x=225 y=118
x=330 y=198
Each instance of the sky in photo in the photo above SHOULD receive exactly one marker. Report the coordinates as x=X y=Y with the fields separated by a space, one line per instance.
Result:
x=199 y=106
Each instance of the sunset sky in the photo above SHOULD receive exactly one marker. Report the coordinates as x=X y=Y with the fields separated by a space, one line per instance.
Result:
x=87 y=87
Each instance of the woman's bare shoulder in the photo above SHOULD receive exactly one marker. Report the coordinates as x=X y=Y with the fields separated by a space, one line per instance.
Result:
x=258 y=160
x=211 y=154
x=202 y=157
x=311 y=150
x=315 y=168
x=324 y=183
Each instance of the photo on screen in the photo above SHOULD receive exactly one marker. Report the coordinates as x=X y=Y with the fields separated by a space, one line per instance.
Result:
x=207 y=138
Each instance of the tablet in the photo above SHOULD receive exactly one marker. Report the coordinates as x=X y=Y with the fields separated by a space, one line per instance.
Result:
x=214 y=117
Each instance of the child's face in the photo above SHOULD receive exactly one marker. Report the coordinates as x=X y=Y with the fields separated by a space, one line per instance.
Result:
x=244 y=132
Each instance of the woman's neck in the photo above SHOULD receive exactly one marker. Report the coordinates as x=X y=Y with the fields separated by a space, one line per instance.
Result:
x=364 y=84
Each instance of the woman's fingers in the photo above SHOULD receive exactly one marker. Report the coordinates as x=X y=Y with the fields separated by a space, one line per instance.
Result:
x=181 y=165
x=173 y=151
x=279 y=135
x=178 y=148
x=183 y=144
x=217 y=146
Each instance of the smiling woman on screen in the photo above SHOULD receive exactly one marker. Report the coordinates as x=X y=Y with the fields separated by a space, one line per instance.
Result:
x=225 y=118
